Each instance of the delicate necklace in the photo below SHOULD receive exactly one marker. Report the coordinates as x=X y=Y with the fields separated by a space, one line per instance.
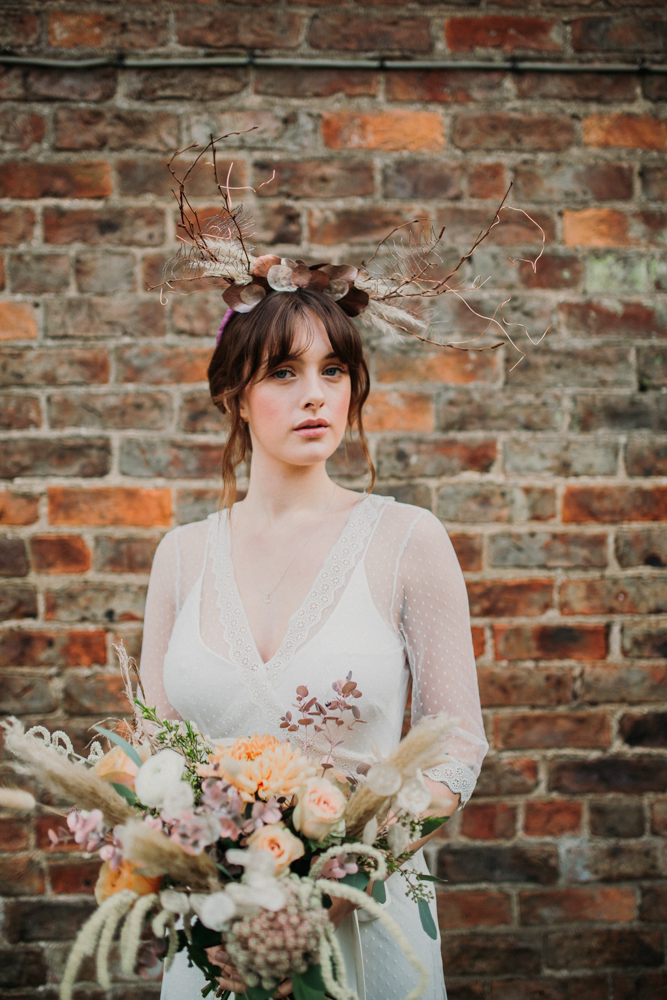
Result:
x=267 y=595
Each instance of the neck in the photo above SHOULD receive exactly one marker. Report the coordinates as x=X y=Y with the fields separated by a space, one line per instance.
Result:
x=277 y=490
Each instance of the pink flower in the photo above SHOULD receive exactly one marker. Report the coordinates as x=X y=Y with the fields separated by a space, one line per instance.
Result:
x=339 y=867
x=87 y=827
x=195 y=832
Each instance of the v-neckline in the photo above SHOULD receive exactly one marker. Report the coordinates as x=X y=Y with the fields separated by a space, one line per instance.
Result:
x=333 y=573
x=311 y=590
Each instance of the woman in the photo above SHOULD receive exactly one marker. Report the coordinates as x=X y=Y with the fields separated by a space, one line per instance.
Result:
x=304 y=581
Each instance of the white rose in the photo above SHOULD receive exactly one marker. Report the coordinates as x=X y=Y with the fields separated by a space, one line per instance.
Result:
x=178 y=798
x=414 y=796
x=216 y=910
x=158 y=776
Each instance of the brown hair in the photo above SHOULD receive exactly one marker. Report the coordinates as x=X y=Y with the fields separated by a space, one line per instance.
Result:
x=261 y=340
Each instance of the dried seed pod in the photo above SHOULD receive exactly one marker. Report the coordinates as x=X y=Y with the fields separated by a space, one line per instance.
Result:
x=354 y=302
x=301 y=276
x=345 y=271
x=280 y=278
x=318 y=280
x=336 y=289
x=261 y=266
x=243 y=298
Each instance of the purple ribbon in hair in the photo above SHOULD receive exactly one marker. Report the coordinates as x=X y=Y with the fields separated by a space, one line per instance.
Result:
x=225 y=320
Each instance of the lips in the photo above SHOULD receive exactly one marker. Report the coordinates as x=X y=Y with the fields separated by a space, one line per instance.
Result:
x=312 y=428
x=311 y=423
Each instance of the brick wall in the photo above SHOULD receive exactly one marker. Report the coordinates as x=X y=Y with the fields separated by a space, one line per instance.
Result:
x=551 y=477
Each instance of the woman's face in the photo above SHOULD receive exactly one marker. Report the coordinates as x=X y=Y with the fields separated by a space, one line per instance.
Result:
x=297 y=413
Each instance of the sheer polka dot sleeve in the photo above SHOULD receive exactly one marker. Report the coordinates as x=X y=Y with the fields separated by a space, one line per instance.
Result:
x=435 y=622
x=160 y=615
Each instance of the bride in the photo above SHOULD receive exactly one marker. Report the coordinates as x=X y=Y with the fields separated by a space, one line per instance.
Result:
x=303 y=581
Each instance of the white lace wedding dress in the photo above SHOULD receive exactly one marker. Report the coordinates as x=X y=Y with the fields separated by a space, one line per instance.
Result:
x=389 y=602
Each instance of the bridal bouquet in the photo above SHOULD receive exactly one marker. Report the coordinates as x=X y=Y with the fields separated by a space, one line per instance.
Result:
x=243 y=843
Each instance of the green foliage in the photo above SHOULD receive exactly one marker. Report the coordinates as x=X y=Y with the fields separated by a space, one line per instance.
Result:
x=426 y=918
x=379 y=892
x=358 y=881
x=432 y=823
x=310 y=985
x=126 y=793
x=123 y=744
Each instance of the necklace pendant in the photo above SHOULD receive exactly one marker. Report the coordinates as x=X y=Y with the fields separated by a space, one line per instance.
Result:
x=267 y=599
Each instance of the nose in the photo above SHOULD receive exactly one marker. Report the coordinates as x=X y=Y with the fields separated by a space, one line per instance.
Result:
x=313 y=395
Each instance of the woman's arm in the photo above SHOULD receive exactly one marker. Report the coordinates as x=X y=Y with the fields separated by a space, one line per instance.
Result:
x=160 y=615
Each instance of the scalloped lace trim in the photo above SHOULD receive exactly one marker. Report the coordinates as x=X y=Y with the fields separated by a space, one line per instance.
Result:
x=457 y=777
x=260 y=677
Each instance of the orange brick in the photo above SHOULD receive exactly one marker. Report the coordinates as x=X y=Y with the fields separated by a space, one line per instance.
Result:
x=628 y=131
x=18 y=508
x=445 y=367
x=478 y=640
x=596 y=227
x=398 y=411
x=56 y=180
x=488 y=821
x=386 y=130
x=17 y=321
x=109 y=505
x=552 y=817
x=463 y=34
x=473 y=908
x=555 y=906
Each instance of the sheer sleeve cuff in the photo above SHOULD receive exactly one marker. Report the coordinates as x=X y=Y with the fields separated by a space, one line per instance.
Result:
x=459 y=779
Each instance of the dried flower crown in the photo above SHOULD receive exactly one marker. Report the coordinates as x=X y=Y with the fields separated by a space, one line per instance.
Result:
x=387 y=288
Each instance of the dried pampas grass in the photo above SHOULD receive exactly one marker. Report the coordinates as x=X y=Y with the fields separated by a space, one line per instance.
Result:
x=155 y=854
x=16 y=800
x=76 y=783
x=420 y=750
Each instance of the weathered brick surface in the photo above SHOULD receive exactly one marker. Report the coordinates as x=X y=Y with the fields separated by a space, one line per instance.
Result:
x=551 y=475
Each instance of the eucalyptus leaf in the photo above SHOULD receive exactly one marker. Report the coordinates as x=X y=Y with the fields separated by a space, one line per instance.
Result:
x=379 y=891
x=127 y=747
x=432 y=823
x=431 y=878
x=126 y=792
x=358 y=881
x=303 y=990
x=426 y=918
x=313 y=976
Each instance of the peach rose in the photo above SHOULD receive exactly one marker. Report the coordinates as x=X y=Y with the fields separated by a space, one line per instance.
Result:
x=320 y=808
x=277 y=839
x=126 y=877
x=117 y=767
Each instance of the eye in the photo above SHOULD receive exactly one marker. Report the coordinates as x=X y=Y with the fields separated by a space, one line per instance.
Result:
x=333 y=370
x=281 y=374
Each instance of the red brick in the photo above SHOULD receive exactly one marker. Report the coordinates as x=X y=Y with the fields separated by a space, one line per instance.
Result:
x=94 y=602
x=618 y=34
x=59 y=554
x=347 y=32
x=599 y=366
x=509 y=598
x=101 y=694
x=83 y=30
x=73 y=366
x=597 y=949
x=109 y=505
x=625 y=775
x=13 y=557
x=443 y=367
x=612 y=504
x=24 y=695
x=644 y=640
x=613 y=596
x=197 y=416
x=507 y=776
x=628 y=131
x=550 y=642
x=17 y=602
x=157 y=364
x=654 y=903
x=491 y=955
x=408 y=458
x=384 y=130
x=497 y=31
x=525 y=686
x=25 y=967
x=76 y=85
x=104 y=317
x=19 y=413
x=641 y=547
x=404 y=411
x=74 y=878
x=609 y=904
x=171 y=459
x=95 y=128
x=472 y=908
x=488 y=821
x=16 y=226
x=596 y=227
x=639 y=985
x=11 y=83
x=273 y=29
x=518 y=862
x=602 y=87
x=442 y=86
x=55 y=180
x=468 y=503
x=111 y=226
x=44 y=649
x=580 y=182
x=35 y=274
x=512 y=131
x=21 y=129
x=464 y=224
x=280 y=82
x=547 y=550
x=468 y=550
x=124 y=555
x=195 y=505
x=623 y=682
x=612 y=318
x=550 y=988
x=19 y=29
x=487 y=180
x=584 y=730
x=551 y=817
x=17 y=321
x=652 y=367
x=20 y=875
x=654 y=182
x=315 y=178
x=47 y=919
x=646 y=457
x=13 y=834
x=18 y=508
x=659 y=817
x=75 y=456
